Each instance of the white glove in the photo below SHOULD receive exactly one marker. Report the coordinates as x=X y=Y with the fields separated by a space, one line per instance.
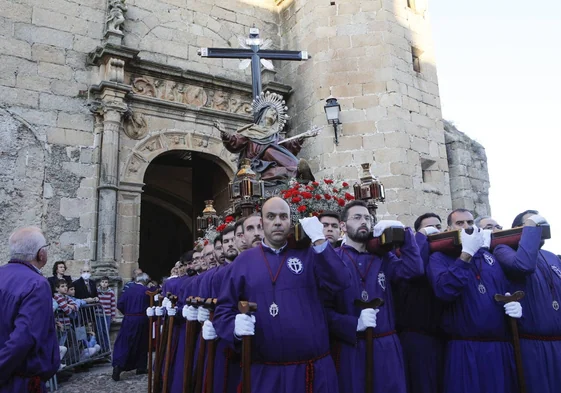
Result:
x=192 y=313
x=150 y=312
x=172 y=311
x=313 y=228
x=381 y=226
x=471 y=243
x=429 y=231
x=244 y=325
x=486 y=233
x=184 y=311
x=537 y=219
x=166 y=303
x=159 y=311
x=208 y=331
x=513 y=309
x=367 y=319
x=156 y=297
x=203 y=314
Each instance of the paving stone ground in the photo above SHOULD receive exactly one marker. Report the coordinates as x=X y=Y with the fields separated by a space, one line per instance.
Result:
x=97 y=379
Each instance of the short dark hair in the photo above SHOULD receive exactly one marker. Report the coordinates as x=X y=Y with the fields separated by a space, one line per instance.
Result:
x=251 y=215
x=55 y=266
x=60 y=282
x=217 y=239
x=186 y=257
x=239 y=223
x=518 y=219
x=331 y=214
x=227 y=230
x=71 y=285
x=348 y=206
x=460 y=210
x=104 y=278
x=420 y=219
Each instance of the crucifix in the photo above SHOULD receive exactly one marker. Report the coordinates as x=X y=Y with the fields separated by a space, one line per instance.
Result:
x=254 y=51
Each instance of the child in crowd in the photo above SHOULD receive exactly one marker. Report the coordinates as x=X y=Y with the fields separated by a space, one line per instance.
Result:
x=108 y=301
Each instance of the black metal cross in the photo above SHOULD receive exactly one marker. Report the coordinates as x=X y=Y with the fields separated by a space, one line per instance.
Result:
x=255 y=54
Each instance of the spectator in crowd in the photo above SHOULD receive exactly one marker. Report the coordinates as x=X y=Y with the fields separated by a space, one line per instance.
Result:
x=59 y=268
x=109 y=303
x=85 y=287
x=79 y=302
x=67 y=310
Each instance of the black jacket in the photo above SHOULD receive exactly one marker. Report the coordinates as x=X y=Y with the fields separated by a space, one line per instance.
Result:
x=82 y=291
x=52 y=281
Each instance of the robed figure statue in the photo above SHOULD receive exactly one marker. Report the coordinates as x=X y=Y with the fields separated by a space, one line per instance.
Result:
x=273 y=157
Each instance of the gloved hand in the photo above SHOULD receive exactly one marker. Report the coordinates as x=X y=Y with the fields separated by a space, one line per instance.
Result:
x=313 y=228
x=381 y=226
x=367 y=319
x=159 y=311
x=166 y=303
x=513 y=309
x=192 y=313
x=471 y=243
x=172 y=311
x=156 y=297
x=184 y=311
x=244 y=325
x=427 y=231
x=537 y=219
x=208 y=331
x=203 y=314
x=150 y=312
x=486 y=233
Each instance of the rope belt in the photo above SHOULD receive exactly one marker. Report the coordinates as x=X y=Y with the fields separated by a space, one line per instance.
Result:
x=34 y=384
x=309 y=368
x=362 y=335
x=540 y=338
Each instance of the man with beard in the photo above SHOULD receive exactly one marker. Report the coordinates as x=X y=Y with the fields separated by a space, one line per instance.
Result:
x=228 y=245
x=538 y=273
x=479 y=355
x=198 y=261
x=372 y=277
x=289 y=328
x=418 y=317
x=331 y=227
x=239 y=238
x=218 y=251
x=208 y=255
x=253 y=230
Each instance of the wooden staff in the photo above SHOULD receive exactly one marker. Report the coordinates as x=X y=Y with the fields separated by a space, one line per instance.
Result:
x=210 y=304
x=190 y=338
x=200 y=366
x=369 y=335
x=173 y=300
x=161 y=338
x=150 y=333
x=246 y=307
x=515 y=297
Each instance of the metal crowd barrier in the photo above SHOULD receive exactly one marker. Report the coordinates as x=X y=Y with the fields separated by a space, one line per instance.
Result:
x=83 y=334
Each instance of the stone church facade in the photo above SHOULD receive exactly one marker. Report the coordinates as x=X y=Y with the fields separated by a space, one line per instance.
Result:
x=106 y=116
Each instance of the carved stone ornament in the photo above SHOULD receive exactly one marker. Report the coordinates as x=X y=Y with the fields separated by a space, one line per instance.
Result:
x=116 y=17
x=114 y=71
x=196 y=96
x=135 y=126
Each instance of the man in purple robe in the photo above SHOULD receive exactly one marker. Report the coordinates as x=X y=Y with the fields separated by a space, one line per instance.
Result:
x=479 y=355
x=538 y=273
x=253 y=230
x=372 y=277
x=418 y=317
x=290 y=349
x=29 y=351
x=131 y=346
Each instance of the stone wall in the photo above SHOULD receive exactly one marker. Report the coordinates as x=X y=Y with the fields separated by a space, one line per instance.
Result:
x=469 y=176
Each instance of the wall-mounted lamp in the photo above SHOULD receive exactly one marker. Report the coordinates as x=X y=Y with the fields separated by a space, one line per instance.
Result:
x=332 y=110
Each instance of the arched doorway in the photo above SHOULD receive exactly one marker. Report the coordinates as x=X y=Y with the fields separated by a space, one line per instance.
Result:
x=177 y=182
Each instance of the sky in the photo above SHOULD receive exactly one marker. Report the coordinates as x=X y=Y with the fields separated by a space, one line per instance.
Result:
x=499 y=73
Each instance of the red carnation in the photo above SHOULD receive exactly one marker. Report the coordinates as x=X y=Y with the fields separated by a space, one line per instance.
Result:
x=315 y=214
x=341 y=202
x=220 y=228
x=328 y=181
x=349 y=197
x=302 y=208
x=229 y=219
x=318 y=197
x=335 y=190
x=315 y=183
x=307 y=195
x=287 y=194
x=327 y=196
x=206 y=242
x=296 y=199
x=345 y=184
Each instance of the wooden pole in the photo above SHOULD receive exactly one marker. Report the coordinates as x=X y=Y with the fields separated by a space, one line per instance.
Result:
x=200 y=366
x=369 y=336
x=173 y=300
x=515 y=297
x=210 y=304
x=150 y=333
x=246 y=307
x=190 y=330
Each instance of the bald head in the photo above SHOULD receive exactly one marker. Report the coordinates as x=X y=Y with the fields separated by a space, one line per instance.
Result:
x=276 y=222
x=29 y=244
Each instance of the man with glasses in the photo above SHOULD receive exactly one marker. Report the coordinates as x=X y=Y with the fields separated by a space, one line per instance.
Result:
x=538 y=273
x=29 y=351
x=488 y=223
x=372 y=277
x=479 y=355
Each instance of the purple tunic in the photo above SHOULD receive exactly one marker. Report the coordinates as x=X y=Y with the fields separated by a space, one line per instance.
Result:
x=479 y=355
x=295 y=343
x=538 y=274
x=131 y=346
x=28 y=341
x=379 y=275
x=418 y=315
